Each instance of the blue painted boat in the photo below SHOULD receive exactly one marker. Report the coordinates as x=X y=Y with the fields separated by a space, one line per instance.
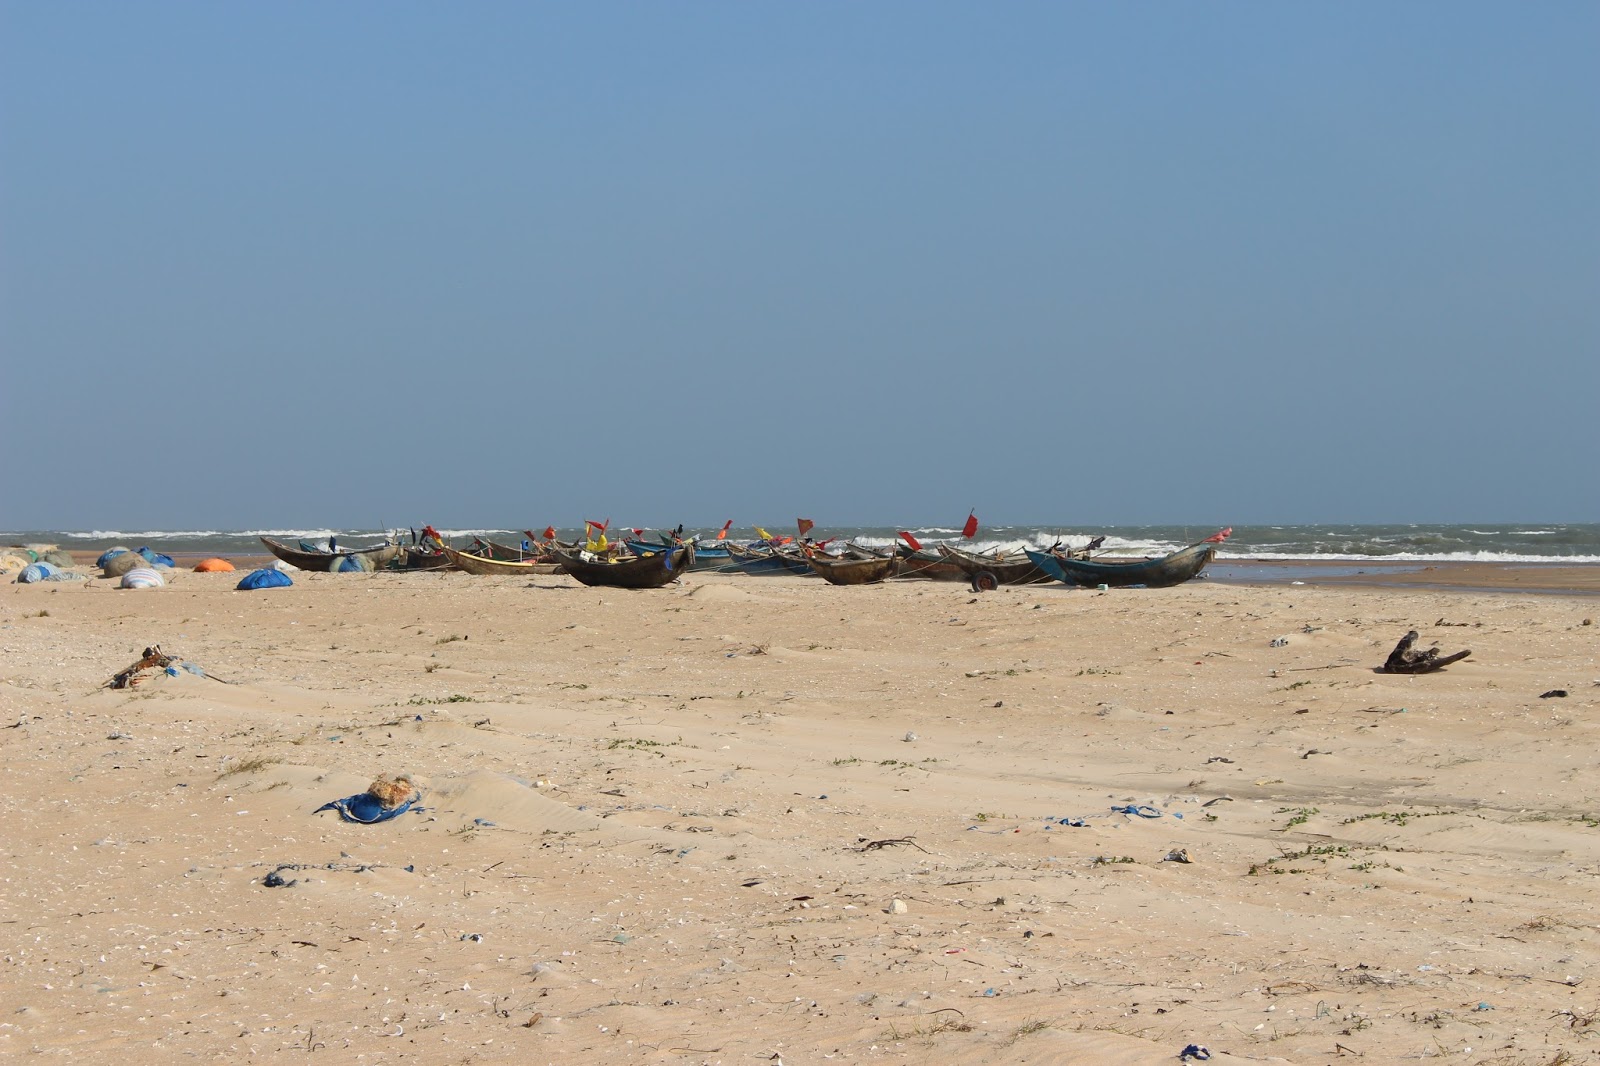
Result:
x=713 y=558
x=1172 y=569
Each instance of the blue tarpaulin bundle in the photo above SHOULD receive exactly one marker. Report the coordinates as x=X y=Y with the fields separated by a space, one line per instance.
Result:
x=264 y=579
x=155 y=558
x=105 y=556
x=38 y=572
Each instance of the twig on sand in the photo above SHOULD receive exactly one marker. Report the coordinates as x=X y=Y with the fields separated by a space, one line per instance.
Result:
x=891 y=842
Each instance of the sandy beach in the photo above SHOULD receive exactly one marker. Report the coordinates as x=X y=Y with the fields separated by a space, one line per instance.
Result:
x=769 y=820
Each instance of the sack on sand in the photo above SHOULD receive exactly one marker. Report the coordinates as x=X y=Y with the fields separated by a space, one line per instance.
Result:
x=142 y=578
x=122 y=562
x=107 y=555
x=213 y=566
x=38 y=572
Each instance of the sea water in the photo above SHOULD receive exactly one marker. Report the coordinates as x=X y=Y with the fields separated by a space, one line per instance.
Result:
x=1422 y=544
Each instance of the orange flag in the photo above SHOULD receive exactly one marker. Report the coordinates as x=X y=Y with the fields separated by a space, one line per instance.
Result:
x=549 y=532
x=909 y=539
x=723 y=532
x=1219 y=536
x=805 y=525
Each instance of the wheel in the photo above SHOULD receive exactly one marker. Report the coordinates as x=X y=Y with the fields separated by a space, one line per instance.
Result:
x=984 y=581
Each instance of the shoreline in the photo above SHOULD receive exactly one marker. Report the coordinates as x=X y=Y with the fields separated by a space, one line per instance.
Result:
x=1581 y=579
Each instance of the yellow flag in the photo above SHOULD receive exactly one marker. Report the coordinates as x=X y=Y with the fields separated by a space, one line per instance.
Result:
x=763 y=534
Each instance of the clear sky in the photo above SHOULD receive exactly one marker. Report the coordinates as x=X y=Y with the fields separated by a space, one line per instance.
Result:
x=267 y=265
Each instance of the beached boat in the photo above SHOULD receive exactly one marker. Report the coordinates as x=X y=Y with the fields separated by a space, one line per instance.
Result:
x=928 y=564
x=1171 y=569
x=488 y=549
x=380 y=556
x=417 y=558
x=868 y=571
x=1012 y=568
x=707 y=557
x=759 y=562
x=628 y=571
x=478 y=564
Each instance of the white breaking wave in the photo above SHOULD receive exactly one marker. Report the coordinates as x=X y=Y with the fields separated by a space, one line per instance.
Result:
x=1409 y=557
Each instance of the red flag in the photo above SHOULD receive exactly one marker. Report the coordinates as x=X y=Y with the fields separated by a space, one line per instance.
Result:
x=549 y=532
x=909 y=539
x=601 y=526
x=805 y=525
x=970 y=530
x=1219 y=536
x=723 y=532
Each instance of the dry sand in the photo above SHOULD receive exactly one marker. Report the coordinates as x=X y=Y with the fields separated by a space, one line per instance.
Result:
x=748 y=820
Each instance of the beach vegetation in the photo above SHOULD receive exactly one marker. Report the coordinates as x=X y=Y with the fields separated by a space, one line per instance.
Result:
x=1302 y=815
x=952 y=1021
x=249 y=766
x=1097 y=671
x=451 y=639
x=641 y=744
x=1027 y=1028
x=425 y=701
x=1319 y=853
x=1393 y=817
x=1106 y=860
x=845 y=761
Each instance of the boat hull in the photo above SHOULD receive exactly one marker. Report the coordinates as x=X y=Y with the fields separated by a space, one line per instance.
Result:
x=1169 y=570
x=380 y=557
x=639 y=572
x=856 y=571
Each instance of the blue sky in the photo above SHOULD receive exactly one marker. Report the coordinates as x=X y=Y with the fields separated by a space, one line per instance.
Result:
x=489 y=264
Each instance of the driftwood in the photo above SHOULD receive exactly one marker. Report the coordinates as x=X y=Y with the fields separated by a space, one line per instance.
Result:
x=1405 y=659
x=151 y=660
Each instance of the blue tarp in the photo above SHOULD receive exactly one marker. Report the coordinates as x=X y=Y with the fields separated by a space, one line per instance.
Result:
x=347 y=564
x=264 y=579
x=155 y=558
x=364 y=808
x=107 y=556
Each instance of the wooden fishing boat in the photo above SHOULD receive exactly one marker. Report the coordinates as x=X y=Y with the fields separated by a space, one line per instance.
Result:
x=380 y=556
x=477 y=564
x=712 y=558
x=928 y=564
x=415 y=559
x=759 y=562
x=1172 y=569
x=856 y=571
x=1013 y=568
x=629 y=571
x=488 y=549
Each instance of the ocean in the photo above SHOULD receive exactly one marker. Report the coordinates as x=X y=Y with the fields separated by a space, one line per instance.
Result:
x=1423 y=544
